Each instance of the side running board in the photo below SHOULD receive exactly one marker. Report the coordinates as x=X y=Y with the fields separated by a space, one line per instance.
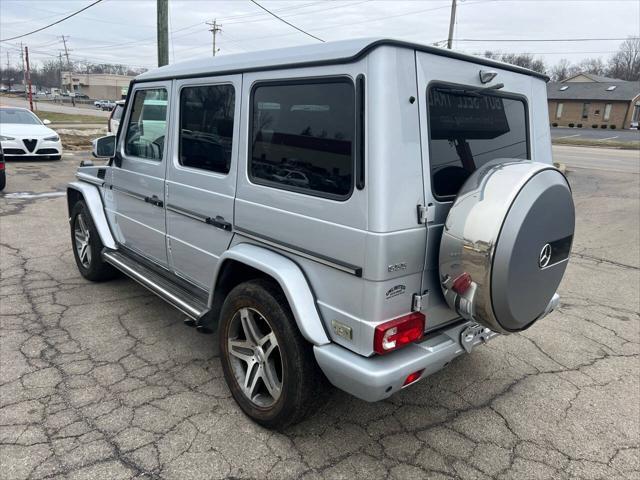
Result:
x=165 y=288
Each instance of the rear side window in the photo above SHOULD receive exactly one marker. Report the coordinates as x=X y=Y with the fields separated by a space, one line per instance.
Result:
x=206 y=127
x=147 y=125
x=468 y=128
x=302 y=137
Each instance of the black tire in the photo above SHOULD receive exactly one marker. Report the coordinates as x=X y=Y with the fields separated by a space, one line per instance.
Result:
x=303 y=386
x=3 y=180
x=91 y=266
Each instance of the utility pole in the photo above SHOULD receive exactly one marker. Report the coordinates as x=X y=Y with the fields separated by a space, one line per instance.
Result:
x=26 y=54
x=60 y=70
x=163 y=32
x=66 y=53
x=24 y=72
x=9 y=79
x=215 y=28
x=452 y=22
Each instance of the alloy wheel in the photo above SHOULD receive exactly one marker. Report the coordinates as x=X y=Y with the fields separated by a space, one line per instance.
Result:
x=81 y=236
x=254 y=355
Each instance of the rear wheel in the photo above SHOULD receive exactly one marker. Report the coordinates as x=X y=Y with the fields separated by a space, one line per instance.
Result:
x=268 y=365
x=87 y=246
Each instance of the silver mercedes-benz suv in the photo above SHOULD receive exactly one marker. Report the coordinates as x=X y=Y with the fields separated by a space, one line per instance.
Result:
x=358 y=212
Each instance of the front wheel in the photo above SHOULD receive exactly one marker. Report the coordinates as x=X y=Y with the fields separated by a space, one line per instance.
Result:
x=268 y=365
x=87 y=246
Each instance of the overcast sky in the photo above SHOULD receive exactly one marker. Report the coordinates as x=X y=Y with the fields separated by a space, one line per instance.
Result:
x=123 y=31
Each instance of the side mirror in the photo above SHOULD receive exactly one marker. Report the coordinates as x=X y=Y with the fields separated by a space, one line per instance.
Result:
x=104 y=147
x=46 y=121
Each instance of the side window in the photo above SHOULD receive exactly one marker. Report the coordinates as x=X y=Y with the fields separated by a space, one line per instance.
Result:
x=147 y=124
x=302 y=137
x=206 y=127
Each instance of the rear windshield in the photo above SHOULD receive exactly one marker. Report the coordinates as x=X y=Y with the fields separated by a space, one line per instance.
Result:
x=468 y=128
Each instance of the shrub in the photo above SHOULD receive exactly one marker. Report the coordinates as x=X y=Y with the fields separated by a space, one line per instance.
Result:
x=554 y=124
x=594 y=126
x=612 y=127
x=603 y=126
x=571 y=125
x=579 y=125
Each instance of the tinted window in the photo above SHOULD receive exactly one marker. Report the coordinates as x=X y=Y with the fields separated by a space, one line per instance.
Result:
x=147 y=124
x=303 y=137
x=206 y=127
x=467 y=130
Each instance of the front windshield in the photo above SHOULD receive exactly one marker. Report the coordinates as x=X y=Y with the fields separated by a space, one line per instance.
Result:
x=14 y=115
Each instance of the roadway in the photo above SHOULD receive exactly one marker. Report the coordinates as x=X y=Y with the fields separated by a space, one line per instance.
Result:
x=596 y=134
x=48 y=106
x=607 y=159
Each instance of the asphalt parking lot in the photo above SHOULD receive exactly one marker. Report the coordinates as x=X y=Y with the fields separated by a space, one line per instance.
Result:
x=596 y=134
x=104 y=381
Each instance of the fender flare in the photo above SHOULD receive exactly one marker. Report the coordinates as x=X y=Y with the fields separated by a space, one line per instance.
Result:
x=92 y=198
x=290 y=278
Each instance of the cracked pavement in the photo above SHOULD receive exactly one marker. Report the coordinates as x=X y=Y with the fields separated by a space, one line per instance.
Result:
x=104 y=380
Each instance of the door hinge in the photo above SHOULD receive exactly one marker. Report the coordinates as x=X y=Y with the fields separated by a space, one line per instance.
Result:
x=426 y=213
x=419 y=301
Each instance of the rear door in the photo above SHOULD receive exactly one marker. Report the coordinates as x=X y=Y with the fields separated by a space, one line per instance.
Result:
x=137 y=191
x=201 y=176
x=461 y=130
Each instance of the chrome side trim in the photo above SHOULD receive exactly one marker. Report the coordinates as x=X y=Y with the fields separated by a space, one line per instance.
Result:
x=329 y=262
x=165 y=294
x=89 y=179
x=187 y=213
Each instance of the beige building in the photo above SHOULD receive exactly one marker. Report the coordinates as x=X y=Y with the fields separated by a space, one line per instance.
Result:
x=101 y=86
x=593 y=101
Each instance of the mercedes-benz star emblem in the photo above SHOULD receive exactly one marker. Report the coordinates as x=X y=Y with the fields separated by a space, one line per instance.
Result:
x=545 y=256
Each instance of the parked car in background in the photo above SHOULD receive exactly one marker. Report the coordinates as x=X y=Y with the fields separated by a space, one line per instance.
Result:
x=116 y=115
x=98 y=103
x=108 y=105
x=83 y=96
x=24 y=134
x=361 y=212
x=3 y=172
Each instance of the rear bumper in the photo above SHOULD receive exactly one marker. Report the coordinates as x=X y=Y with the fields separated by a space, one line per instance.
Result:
x=378 y=377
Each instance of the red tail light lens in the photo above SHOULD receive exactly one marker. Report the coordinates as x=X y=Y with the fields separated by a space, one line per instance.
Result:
x=461 y=284
x=398 y=332
x=413 y=377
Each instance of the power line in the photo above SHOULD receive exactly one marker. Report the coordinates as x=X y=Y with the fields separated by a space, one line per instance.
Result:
x=540 y=39
x=284 y=21
x=54 y=23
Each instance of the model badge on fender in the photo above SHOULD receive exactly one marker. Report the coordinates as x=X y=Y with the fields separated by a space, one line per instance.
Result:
x=395 y=291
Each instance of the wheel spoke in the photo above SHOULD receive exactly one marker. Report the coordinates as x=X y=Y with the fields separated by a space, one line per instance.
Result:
x=83 y=252
x=251 y=332
x=80 y=238
x=270 y=379
x=83 y=226
x=241 y=349
x=251 y=378
x=268 y=344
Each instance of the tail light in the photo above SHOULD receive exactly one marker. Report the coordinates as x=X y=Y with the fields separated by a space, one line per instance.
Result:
x=412 y=377
x=462 y=283
x=398 y=332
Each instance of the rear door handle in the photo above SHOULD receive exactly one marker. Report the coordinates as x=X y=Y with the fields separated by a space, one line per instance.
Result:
x=219 y=222
x=154 y=200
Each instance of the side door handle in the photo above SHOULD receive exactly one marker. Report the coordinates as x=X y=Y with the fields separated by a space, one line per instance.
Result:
x=154 y=200
x=219 y=222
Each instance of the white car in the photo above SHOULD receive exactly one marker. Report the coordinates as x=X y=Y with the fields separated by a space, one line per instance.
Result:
x=24 y=134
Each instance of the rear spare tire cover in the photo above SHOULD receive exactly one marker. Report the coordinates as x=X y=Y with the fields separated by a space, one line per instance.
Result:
x=506 y=243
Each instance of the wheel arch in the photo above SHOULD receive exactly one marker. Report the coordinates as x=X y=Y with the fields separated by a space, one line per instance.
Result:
x=77 y=191
x=247 y=261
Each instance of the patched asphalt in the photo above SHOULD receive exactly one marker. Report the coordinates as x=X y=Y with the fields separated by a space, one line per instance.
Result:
x=104 y=381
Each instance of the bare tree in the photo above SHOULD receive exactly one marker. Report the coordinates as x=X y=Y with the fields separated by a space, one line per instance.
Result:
x=525 y=60
x=625 y=64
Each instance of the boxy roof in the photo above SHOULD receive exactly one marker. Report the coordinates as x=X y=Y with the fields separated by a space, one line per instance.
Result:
x=343 y=51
